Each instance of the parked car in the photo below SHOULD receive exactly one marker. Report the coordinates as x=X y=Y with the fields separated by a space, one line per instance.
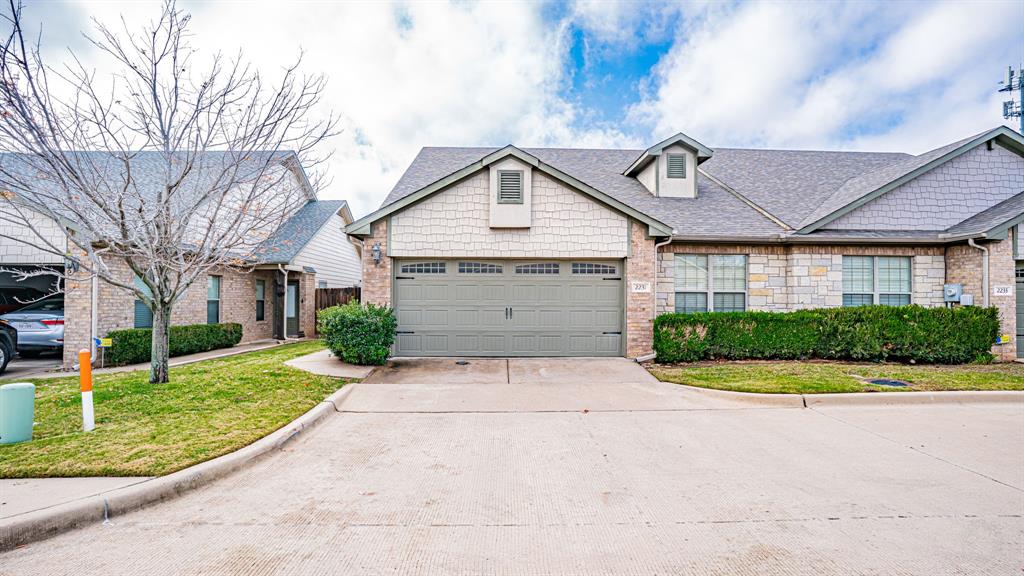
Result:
x=8 y=344
x=12 y=299
x=40 y=327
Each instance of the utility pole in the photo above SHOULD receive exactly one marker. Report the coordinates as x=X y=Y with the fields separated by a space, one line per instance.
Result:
x=1014 y=82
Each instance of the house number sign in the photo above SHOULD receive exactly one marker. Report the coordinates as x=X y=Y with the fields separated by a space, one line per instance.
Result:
x=641 y=287
x=1002 y=290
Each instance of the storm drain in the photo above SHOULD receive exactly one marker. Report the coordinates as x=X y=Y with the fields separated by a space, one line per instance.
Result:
x=888 y=382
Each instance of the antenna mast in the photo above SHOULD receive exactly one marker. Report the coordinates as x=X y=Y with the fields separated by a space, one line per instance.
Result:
x=1014 y=82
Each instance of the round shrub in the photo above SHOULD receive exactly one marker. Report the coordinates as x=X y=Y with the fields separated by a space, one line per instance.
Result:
x=358 y=334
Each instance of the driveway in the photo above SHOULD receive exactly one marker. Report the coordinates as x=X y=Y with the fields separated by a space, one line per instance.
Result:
x=429 y=483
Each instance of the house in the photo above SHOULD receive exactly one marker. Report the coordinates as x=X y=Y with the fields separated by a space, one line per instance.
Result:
x=272 y=297
x=549 y=251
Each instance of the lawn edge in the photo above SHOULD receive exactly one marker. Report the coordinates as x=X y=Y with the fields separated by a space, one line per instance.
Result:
x=789 y=400
x=38 y=525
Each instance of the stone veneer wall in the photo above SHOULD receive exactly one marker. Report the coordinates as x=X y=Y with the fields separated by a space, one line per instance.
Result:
x=640 y=306
x=238 y=304
x=793 y=277
x=455 y=224
x=965 y=266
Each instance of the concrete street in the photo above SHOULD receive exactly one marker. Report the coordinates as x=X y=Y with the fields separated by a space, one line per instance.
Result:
x=588 y=467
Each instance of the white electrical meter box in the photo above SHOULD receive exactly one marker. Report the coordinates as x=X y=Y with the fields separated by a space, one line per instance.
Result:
x=967 y=299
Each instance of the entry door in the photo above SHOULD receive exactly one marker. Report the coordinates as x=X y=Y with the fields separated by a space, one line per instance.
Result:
x=509 y=308
x=1020 y=310
x=292 y=309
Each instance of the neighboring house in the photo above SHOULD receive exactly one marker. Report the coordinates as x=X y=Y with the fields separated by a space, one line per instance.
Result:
x=522 y=252
x=274 y=299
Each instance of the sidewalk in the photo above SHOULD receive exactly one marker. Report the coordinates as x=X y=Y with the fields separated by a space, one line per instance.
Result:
x=21 y=495
x=176 y=361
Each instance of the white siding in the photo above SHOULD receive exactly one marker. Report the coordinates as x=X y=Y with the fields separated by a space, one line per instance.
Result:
x=15 y=252
x=333 y=256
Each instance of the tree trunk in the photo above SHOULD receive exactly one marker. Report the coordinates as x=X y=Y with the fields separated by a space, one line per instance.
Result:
x=159 y=370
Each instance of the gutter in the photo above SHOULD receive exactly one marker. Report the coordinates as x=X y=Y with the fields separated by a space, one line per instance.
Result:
x=984 y=270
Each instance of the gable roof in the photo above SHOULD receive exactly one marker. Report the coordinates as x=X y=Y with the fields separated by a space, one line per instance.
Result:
x=645 y=157
x=423 y=179
x=743 y=194
x=288 y=241
x=860 y=190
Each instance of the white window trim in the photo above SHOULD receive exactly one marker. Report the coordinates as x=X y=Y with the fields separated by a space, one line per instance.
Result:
x=710 y=292
x=875 y=292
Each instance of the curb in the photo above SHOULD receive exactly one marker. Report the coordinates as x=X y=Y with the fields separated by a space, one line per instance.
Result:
x=40 y=524
x=755 y=398
x=909 y=398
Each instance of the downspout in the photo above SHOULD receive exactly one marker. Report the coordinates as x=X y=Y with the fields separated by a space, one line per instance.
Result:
x=984 y=270
x=654 y=291
x=284 y=304
x=94 y=321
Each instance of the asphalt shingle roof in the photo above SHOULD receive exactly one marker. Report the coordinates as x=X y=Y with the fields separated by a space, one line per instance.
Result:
x=285 y=244
x=794 y=187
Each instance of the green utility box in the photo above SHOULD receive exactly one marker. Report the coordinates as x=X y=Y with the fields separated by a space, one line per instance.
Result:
x=17 y=409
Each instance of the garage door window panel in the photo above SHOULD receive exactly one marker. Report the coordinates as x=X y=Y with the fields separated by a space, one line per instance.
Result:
x=539 y=268
x=424 y=268
x=480 y=268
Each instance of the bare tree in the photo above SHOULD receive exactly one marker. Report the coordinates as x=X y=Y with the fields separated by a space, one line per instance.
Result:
x=168 y=166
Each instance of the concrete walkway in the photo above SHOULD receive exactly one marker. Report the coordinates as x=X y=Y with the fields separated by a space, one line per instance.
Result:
x=706 y=488
x=48 y=370
x=323 y=362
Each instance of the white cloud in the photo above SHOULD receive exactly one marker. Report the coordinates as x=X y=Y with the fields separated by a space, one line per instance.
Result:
x=785 y=75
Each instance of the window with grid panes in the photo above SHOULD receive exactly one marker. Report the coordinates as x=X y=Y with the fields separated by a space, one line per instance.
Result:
x=716 y=283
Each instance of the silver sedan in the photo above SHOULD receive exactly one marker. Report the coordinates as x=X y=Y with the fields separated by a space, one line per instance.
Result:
x=40 y=327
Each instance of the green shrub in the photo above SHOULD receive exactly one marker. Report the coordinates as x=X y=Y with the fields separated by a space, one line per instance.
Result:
x=358 y=334
x=868 y=333
x=133 y=346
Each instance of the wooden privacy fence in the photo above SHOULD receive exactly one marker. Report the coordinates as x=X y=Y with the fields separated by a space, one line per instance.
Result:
x=327 y=297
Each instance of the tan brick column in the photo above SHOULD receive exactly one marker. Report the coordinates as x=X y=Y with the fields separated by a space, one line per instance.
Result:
x=377 y=277
x=640 y=305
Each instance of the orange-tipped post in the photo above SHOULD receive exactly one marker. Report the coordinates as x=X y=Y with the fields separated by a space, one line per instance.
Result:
x=85 y=380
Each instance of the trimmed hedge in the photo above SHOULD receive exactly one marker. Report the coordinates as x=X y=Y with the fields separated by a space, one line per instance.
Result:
x=872 y=333
x=358 y=334
x=133 y=346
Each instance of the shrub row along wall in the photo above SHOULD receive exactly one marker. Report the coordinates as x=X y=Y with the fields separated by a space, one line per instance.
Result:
x=133 y=346
x=873 y=333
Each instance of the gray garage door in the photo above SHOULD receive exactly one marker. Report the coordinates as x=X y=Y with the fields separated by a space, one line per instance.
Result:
x=508 y=308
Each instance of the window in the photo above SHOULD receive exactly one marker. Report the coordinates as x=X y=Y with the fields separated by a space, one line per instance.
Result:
x=676 y=166
x=883 y=280
x=510 y=186
x=479 y=268
x=321 y=284
x=424 y=268
x=143 y=315
x=543 y=268
x=261 y=300
x=718 y=280
x=212 y=299
x=592 y=268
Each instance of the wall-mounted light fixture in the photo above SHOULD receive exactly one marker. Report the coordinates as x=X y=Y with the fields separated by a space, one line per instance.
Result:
x=376 y=252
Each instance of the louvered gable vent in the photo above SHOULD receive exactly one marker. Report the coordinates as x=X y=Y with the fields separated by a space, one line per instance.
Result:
x=676 y=166
x=510 y=187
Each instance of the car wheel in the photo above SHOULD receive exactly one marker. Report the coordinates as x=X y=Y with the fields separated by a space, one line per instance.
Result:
x=5 y=357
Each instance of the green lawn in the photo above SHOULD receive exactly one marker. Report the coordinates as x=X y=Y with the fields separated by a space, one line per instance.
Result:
x=822 y=377
x=208 y=409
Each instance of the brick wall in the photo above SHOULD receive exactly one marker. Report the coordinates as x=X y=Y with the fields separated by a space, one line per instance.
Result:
x=965 y=265
x=117 y=306
x=793 y=277
x=377 y=277
x=640 y=306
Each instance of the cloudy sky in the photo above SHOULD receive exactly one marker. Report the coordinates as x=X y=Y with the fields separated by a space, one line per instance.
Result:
x=905 y=76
